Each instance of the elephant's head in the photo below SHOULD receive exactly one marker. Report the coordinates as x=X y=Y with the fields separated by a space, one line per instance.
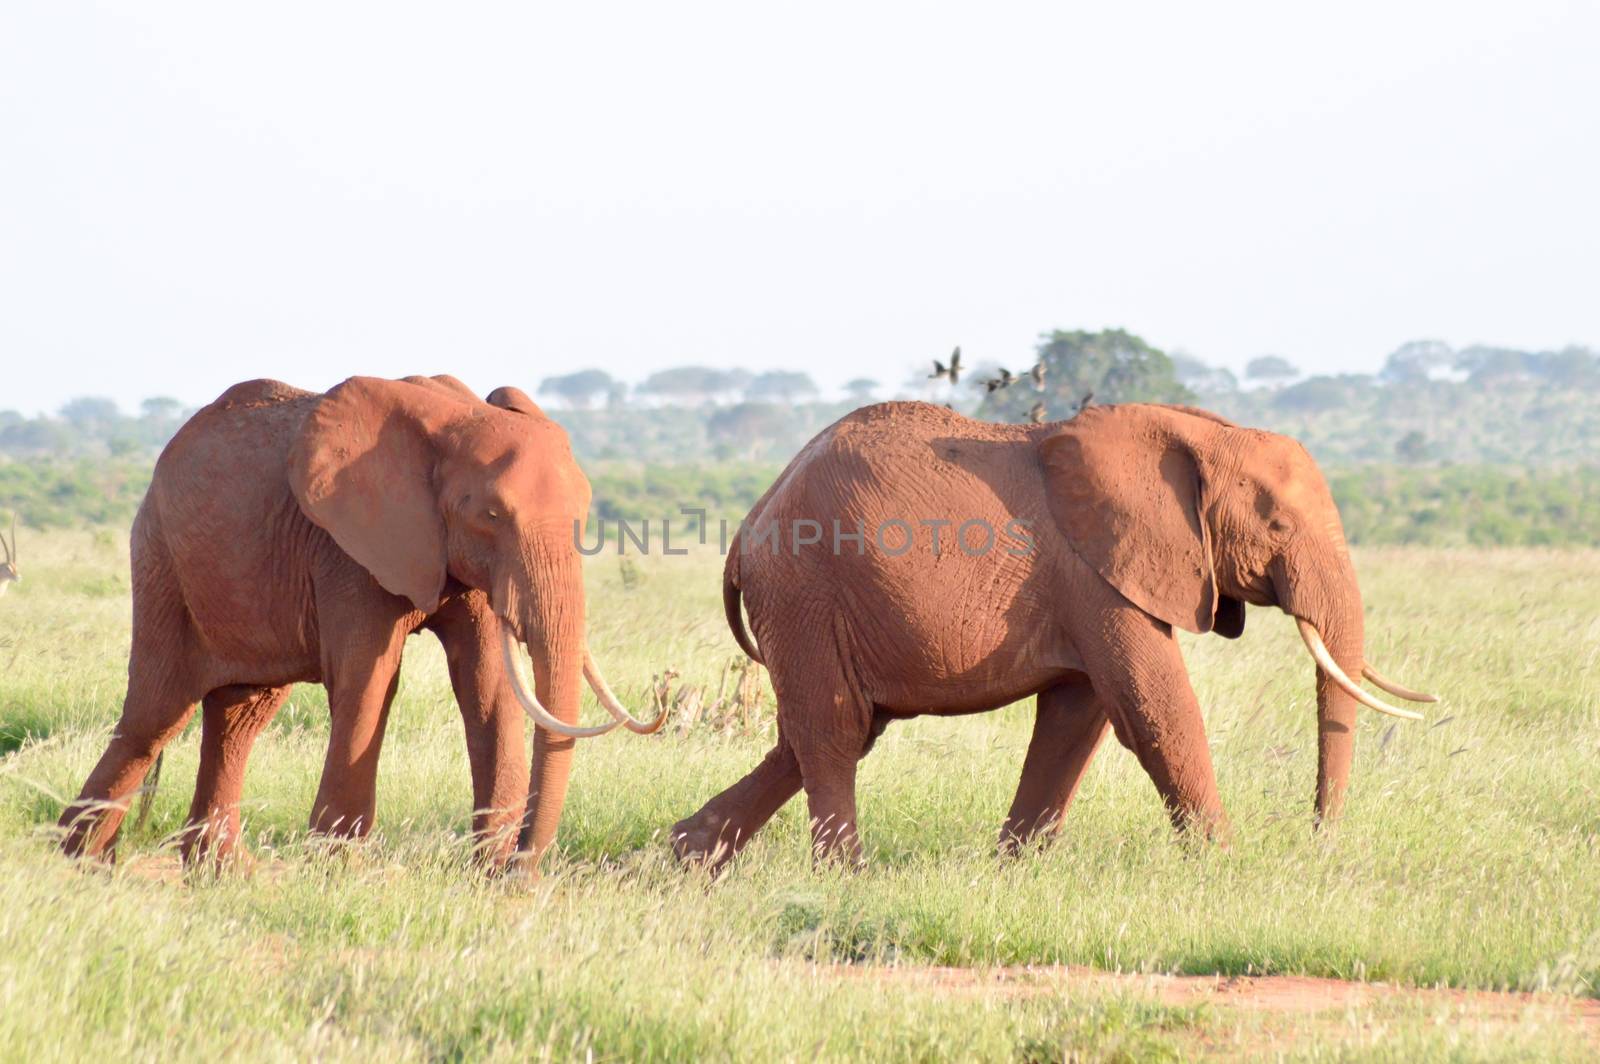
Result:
x=1190 y=517
x=421 y=483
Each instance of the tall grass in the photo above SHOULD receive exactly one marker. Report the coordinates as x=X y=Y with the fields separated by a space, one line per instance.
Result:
x=1467 y=858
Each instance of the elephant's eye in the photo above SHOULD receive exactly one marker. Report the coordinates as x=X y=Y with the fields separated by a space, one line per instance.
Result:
x=492 y=514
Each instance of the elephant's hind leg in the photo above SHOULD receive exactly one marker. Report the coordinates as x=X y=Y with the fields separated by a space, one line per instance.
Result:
x=1068 y=729
x=231 y=719
x=157 y=707
x=828 y=722
x=724 y=825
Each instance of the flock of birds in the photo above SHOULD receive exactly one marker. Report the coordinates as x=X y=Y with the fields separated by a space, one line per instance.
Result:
x=1006 y=379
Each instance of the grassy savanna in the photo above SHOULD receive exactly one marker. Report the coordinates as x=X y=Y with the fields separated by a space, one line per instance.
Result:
x=1469 y=858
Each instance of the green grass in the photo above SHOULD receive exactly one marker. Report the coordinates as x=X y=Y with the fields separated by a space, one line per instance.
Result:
x=1468 y=857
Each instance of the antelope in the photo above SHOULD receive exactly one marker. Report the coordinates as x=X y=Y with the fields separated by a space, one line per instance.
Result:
x=8 y=568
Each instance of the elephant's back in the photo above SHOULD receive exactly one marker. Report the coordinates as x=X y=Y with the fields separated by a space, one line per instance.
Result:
x=949 y=616
x=905 y=459
x=219 y=502
x=231 y=453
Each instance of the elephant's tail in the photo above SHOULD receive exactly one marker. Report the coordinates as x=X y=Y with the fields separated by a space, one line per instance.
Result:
x=730 y=602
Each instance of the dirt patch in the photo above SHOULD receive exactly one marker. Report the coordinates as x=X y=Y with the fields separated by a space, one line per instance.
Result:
x=1291 y=997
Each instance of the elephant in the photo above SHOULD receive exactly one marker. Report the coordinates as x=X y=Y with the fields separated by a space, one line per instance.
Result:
x=1102 y=535
x=293 y=537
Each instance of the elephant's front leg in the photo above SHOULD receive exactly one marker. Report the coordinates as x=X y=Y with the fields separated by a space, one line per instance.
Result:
x=361 y=671
x=1138 y=673
x=493 y=721
x=1067 y=731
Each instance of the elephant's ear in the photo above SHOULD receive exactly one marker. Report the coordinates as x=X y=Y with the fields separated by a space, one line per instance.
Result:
x=509 y=398
x=1126 y=489
x=362 y=469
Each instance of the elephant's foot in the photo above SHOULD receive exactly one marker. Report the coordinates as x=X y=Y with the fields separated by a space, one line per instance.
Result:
x=707 y=840
x=216 y=861
x=836 y=846
x=522 y=866
x=90 y=831
x=215 y=846
x=495 y=852
x=1203 y=828
x=1025 y=834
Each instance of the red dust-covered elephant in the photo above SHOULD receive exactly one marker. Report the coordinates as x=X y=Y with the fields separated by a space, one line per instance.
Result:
x=290 y=537
x=1070 y=553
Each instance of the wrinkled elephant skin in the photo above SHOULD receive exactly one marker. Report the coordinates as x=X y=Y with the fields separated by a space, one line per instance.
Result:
x=1134 y=521
x=290 y=537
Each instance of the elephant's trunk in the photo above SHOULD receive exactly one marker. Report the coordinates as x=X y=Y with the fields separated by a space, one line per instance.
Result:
x=552 y=628
x=1336 y=710
x=1318 y=588
x=547 y=594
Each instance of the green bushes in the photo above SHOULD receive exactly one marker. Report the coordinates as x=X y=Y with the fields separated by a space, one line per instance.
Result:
x=1481 y=506
x=69 y=493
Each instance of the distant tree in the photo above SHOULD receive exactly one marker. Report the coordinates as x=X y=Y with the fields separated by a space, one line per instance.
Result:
x=1271 y=370
x=1416 y=360
x=579 y=390
x=862 y=389
x=90 y=413
x=1485 y=363
x=732 y=384
x=1114 y=365
x=694 y=384
x=749 y=427
x=1200 y=378
x=38 y=436
x=160 y=408
x=1575 y=367
x=1318 y=394
x=783 y=386
x=1412 y=448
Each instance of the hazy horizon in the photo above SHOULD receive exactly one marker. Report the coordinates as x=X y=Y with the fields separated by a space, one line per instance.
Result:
x=195 y=196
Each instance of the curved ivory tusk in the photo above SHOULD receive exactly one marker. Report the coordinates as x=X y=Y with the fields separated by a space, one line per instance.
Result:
x=1395 y=689
x=597 y=682
x=530 y=703
x=1319 y=651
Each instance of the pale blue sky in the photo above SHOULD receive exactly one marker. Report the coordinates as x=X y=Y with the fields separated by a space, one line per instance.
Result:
x=194 y=194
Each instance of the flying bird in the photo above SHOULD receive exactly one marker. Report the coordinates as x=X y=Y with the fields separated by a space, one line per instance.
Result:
x=1083 y=404
x=1037 y=373
x=1036 y=415
x=1002 y=381
x=953 y=371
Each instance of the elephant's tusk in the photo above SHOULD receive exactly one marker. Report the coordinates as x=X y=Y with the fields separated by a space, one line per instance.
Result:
x=1319 y=651
x=530 y=703
x=1395 y=689
x=597 y=682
